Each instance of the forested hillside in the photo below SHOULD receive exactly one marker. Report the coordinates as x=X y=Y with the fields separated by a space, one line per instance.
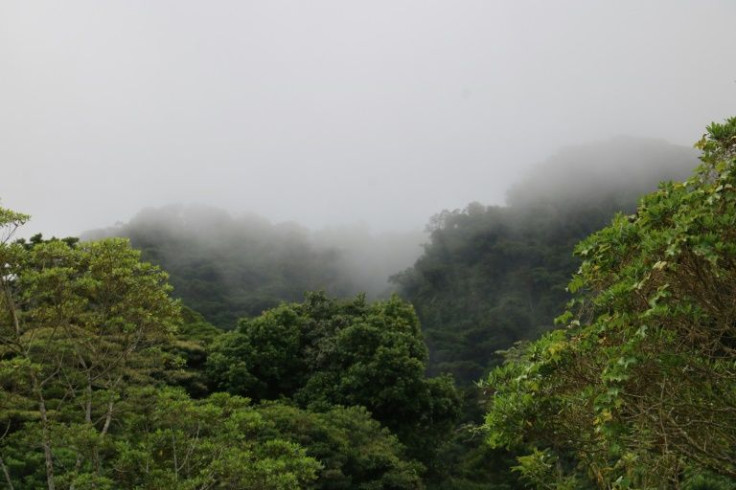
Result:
x=493 y=275
x=488 y=277
x=229 y=267
x=108 y=381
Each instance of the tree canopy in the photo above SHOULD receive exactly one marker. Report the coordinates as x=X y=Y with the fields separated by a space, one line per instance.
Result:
x=324 y=352
x=91 y=342
x=77 y=323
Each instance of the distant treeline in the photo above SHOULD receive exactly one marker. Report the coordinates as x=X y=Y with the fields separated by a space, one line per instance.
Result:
x=229 y=267
x=489 y=276
x=492 y=275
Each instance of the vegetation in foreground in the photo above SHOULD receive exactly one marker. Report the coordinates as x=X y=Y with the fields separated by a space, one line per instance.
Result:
x=638 y=389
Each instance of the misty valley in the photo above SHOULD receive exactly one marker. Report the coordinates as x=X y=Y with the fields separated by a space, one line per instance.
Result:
x=581 y=336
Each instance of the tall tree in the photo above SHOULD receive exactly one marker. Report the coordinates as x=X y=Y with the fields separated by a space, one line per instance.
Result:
x=325 y=352
x=78 y=323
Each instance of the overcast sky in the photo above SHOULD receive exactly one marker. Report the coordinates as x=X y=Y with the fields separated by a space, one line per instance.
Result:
x=331 y=112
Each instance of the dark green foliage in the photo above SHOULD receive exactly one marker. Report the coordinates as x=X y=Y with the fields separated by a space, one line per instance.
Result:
x=187 y=354
x=38 y=239
x=491 y=276
x=325 y=352
x=705 y=480
x=354 y=450
x=466 y=462
x=166 y=440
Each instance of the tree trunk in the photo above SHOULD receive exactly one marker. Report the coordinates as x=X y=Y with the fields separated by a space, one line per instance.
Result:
x=7 y=475
x=46 y=439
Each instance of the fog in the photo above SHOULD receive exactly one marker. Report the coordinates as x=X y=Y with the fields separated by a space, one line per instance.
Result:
x=227 y=266
x=330 y=113
x=622 y=169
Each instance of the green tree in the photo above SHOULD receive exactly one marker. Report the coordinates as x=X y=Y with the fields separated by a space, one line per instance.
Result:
x=78 y=322
x=170 y=441
x=639 y=389
x=354 y=450
x=325 y=352
x=187 y=354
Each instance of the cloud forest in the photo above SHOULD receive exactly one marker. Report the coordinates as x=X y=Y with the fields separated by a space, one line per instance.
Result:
x=581 y=336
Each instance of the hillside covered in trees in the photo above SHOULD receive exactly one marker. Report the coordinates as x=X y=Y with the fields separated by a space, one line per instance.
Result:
x=107 y=380
x=494 y=275
x=229 y=267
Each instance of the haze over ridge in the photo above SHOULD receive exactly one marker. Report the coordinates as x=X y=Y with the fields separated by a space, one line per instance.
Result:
x=330 y=112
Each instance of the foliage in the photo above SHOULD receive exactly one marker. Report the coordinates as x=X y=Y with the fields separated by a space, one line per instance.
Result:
x=638 y=389
x=467 y=462
x=77 y=323
x=85 y=328
x=187 y=354
x=489 y=277
x=170 y=441
x=354 y=450
x=325 y=352
x=89 y=334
